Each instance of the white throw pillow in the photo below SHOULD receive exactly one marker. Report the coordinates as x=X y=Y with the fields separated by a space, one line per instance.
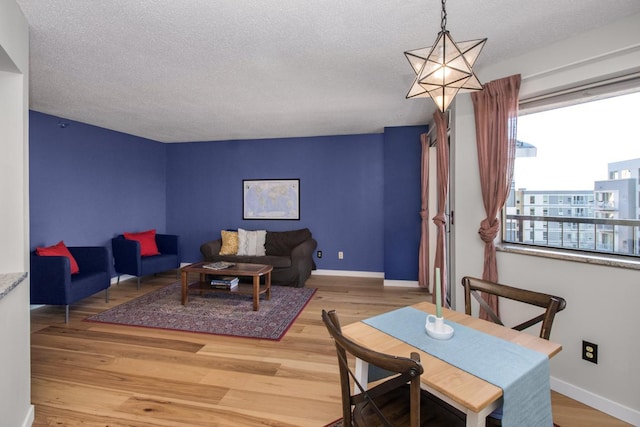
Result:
x=261 y=239
x=251 y=242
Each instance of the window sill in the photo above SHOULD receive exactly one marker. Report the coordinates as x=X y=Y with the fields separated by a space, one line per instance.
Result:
x=559 y=254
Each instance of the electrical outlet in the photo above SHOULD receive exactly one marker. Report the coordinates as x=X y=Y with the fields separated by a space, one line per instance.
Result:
x=319 y=254
x=340 y=255
x=590 y=352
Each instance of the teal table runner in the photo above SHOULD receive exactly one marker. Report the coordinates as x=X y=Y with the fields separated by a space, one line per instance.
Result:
x=523 y=374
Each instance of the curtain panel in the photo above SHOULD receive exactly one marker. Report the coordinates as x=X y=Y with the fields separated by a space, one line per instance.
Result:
x=423 y=256
x=496 y=118
x=440 y=220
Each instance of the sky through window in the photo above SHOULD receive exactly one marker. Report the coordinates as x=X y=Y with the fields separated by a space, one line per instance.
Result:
x=575 y=144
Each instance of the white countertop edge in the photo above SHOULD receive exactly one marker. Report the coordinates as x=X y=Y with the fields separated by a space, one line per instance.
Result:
x=8 y=281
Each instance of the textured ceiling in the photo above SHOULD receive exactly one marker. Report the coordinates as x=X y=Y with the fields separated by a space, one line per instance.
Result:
x=204 y=70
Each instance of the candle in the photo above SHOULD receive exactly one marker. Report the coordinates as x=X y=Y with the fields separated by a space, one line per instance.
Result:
x=438 y=297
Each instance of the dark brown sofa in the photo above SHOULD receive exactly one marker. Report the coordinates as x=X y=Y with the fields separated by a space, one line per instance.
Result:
x=289 y=252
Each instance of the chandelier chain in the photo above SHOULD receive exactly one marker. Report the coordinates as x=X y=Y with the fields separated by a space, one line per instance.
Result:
x=443 y=17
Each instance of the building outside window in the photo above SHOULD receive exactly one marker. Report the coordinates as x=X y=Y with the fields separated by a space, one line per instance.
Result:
x=588 y=182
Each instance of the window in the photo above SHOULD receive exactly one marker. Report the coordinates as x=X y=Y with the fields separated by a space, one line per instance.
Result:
x=589 y=178
x=532 y=212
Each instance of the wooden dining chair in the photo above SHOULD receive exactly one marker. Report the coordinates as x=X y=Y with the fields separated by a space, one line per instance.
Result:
x=396 y=401
x=551 y=303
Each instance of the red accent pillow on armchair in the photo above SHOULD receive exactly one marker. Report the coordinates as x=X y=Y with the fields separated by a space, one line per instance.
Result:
x=59 y=249
x=147 y=240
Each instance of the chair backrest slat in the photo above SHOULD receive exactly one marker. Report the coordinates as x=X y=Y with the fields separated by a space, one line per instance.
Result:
x=551 y=303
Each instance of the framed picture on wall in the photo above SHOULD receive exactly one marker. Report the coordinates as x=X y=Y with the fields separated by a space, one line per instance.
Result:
x=271 y=199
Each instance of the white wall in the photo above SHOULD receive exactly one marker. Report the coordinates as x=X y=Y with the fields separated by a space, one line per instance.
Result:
x=15 y=386
x=592 y=292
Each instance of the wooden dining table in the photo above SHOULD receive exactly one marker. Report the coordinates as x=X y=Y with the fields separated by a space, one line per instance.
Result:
x=472 y=395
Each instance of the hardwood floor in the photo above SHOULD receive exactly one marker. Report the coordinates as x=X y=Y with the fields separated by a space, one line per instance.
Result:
x=90 y=374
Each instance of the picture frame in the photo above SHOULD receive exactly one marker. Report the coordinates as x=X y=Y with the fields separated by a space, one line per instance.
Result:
x=274 y=199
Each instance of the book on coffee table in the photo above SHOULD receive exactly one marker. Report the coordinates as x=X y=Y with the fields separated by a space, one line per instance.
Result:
x=224 y=282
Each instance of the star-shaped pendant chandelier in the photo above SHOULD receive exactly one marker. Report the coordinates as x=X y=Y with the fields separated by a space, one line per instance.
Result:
x=444 y=69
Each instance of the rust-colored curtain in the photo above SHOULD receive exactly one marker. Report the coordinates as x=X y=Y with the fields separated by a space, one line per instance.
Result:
x=440 y=220
x=423 y=256
x=496 y=116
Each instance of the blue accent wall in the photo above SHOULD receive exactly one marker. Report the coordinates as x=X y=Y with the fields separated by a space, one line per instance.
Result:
x=402 y=153
x=341 y=181
x=359 y=194
x=87 y=184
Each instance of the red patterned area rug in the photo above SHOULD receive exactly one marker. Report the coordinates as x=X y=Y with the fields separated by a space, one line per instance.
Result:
x=215 y=313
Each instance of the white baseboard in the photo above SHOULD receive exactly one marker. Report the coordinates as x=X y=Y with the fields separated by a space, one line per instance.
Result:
x=124 y=277
x=28 y=421
x=600 y=403
x=372 y=274
x=114 y=280
x=401 y=283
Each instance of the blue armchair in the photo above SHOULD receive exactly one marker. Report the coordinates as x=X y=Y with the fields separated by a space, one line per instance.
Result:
x=52 y=281
x=127 y=259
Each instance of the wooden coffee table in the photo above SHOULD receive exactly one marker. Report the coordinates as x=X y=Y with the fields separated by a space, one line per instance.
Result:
x=240 y=269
